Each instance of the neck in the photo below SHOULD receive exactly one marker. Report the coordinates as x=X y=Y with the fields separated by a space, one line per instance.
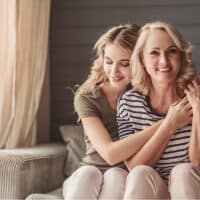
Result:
x=112 y=94
x=161 y=98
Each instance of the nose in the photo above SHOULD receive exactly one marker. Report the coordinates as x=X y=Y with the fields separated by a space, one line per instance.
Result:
x=114 y=68
x=163 y=58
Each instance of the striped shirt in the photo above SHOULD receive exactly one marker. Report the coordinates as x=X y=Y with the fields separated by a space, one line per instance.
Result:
x=135 y=114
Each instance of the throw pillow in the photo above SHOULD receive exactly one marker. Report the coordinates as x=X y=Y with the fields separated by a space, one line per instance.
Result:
x=74 y=138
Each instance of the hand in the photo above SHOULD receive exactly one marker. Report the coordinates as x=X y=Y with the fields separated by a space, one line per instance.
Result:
x=179 y=114
x=193 y=94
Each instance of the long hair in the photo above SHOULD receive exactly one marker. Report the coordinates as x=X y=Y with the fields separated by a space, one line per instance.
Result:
x=125 y=35
x=141 y=80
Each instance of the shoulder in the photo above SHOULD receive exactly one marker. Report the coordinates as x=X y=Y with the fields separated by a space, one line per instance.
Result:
x=132 y=101
x=132 y=95
x=87 y=104
x=88 y=96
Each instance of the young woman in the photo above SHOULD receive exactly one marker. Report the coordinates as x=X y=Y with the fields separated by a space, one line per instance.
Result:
x=102 y=174
x=161 y=68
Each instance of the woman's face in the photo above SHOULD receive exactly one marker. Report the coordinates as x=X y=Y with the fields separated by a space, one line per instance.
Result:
x=116 y=65
x=161 y=58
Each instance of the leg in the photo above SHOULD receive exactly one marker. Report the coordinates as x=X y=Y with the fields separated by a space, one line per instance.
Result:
x=185 y=182
x=84 y=183
x=143 y=182
x=114 y=181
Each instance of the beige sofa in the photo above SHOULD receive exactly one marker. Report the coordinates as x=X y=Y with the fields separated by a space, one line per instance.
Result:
x=38 y=172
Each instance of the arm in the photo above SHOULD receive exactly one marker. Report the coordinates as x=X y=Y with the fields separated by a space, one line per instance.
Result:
x=177 y=117
x=111 y=151
x=193 y=95
x=114 y=152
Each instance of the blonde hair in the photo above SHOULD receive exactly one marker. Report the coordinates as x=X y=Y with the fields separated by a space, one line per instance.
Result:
x=125 y=35
x=141 y=80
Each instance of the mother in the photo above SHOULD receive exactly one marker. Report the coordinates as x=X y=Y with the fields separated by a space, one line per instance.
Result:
x=162 y=67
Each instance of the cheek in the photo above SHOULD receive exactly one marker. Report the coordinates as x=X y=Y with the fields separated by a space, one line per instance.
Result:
x=146 y=62
x=177 y=64
x=128 y=74
x=105 y=68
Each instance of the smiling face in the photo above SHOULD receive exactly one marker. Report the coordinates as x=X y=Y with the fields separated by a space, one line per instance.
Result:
x=161 y=58
x=116 y=65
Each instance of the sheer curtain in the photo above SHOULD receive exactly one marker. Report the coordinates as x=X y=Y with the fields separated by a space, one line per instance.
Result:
x=24 y=37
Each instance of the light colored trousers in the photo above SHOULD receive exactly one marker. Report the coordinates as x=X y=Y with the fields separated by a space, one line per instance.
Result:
x=89 y=183
x=143 y=182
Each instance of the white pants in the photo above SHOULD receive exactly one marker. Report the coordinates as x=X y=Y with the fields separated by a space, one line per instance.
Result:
x=88 y=183
x=143 y=182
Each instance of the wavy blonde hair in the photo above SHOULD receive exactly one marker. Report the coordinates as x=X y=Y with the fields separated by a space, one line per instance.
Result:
x=125 y=35
x=141 y=80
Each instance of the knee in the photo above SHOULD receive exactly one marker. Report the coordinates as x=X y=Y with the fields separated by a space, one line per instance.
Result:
x=84 y=181
x=84 y=175
x=140 y=172
x=91 y=173
x=116 y=173
x=181 y=171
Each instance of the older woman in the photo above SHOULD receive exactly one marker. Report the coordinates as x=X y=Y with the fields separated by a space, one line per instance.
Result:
x=162 y=67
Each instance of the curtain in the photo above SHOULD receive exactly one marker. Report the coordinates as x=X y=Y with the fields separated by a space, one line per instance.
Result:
x=24 y=38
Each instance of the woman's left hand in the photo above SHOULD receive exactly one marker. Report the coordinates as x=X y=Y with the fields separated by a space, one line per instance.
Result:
x=193 y=94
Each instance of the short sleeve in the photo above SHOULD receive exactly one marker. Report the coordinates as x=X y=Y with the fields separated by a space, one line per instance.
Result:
x=125 y=126
x=85 y=107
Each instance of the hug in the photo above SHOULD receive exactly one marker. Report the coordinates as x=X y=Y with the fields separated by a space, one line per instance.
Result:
x=140 y=110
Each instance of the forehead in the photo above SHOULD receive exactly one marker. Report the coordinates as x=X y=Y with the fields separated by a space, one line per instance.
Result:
x=115 y=50
x=158 y=38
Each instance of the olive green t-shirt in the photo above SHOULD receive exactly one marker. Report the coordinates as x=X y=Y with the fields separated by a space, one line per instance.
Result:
x=95 y=104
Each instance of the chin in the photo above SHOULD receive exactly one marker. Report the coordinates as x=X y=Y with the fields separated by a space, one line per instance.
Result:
x=119 y=86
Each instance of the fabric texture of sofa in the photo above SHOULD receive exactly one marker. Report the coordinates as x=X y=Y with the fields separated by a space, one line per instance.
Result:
x=38 y=172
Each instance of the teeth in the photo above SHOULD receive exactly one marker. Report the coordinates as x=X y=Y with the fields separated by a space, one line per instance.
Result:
x=164 y=69
x=116 y=78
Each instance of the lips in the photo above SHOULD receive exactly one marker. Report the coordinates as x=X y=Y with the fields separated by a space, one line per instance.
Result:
x=116 y=78
x=164 y=69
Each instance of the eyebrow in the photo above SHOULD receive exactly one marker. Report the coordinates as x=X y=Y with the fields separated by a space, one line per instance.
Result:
x=107 y=57
x=125 y=60
x=172 y=46
x=119 y=60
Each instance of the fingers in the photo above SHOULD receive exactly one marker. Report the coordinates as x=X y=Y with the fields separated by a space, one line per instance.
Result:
x=193 y=85
x=196 y=85
x=190 y=113
x=187 y=107
x=183 y=101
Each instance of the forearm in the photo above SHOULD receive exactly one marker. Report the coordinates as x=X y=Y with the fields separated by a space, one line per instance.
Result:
x=115 y=151
x=194 y=147
x=128 y=146
x=153 y=148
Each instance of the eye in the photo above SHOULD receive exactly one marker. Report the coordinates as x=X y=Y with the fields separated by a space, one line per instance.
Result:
x=108 y=61
x=173 y=51
x=125 y=64
x=154 y=53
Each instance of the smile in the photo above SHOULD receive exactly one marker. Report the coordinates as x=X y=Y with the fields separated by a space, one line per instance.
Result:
x=164 y=69
x=116 y=78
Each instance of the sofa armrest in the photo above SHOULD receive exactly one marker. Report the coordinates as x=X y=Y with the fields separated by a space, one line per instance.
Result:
x=31 y=170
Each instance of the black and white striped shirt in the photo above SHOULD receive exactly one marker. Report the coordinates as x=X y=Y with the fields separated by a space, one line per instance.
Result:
x=135 y=114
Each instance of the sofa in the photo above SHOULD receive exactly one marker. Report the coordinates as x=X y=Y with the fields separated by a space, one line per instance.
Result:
x=38 y=172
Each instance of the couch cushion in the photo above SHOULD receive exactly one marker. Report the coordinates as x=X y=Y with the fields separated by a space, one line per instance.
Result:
x=74 y=139
x=56 y=195
x=28 y=170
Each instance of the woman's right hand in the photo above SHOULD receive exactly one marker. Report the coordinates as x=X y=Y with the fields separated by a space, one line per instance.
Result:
x=179 y=114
